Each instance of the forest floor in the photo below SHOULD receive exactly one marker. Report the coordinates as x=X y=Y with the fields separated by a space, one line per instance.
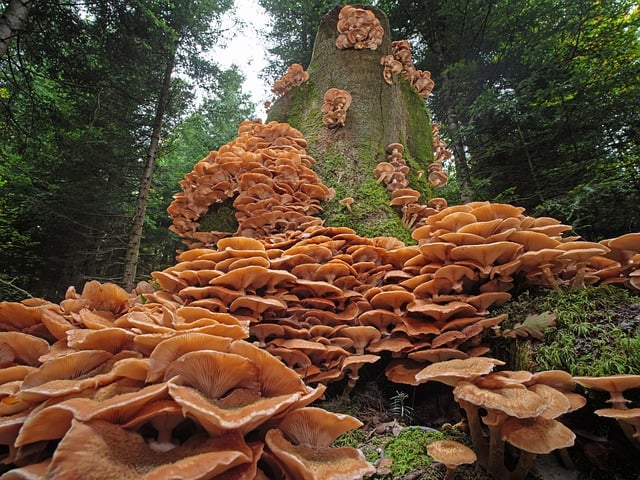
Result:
x=400 y=420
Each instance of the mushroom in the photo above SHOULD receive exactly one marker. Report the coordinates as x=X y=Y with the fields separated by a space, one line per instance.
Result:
x=98 y=446
x=452 y=454
x=317 y=463
x=534 y=436
x=347 y=202
x=335 y=106
x=316 y=427
x=358 y=28
x=500 y=404
x=628 y=419
x=391 y=67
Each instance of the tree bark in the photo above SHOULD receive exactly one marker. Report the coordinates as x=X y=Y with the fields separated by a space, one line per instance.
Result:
x=135 y=237
x=11 y=22
x=380 y=114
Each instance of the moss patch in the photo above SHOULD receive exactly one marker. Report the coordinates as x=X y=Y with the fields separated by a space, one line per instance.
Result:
x=597 y=332
x=220 y=218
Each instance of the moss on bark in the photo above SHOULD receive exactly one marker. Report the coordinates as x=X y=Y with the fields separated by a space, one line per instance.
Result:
x=380 y=114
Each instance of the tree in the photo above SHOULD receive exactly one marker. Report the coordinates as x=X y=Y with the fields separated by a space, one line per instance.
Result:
x=293 y=29
x=557 y=133
x=212 y=124
x=450 y=39
x=78 y=92
x=380 y=114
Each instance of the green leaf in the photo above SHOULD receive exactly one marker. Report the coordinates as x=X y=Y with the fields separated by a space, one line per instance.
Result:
x=533 y=326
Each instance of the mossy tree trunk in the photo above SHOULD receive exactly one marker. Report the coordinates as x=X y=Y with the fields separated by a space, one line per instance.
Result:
x=379 y=114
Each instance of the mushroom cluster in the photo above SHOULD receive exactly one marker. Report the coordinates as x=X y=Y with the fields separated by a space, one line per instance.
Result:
x=264 y=174
x=358 y=28
x=622 y=262
x=334 y=108
x=615 y=385
x=516 y=407
x=111 y=382
x=391 y=67
x=420 y=79
x=393 y=173
x=328 y=301
x=295 y=76
x=438 y=177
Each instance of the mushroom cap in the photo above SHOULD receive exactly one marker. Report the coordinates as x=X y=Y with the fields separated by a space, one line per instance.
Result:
x=558 y=379
x=628 y=241
x=628 y=415
x=451 y=453
x=515 y=402
x=316 y=427
x=102 y=447
x=169 y=350
x=395 y=146
x=63 y=375
x=610 y=383
x=537 y=435
x=22 y=348
x=241 y=410
x=318 y=463
x=557 y=402
x=213 y=373
x=453 y=371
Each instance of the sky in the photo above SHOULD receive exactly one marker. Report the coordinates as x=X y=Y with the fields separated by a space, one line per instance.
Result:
x=246 y=49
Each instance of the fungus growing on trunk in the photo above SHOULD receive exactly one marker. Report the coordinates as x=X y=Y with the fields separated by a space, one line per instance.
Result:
x=358 y=28
x=335 y=106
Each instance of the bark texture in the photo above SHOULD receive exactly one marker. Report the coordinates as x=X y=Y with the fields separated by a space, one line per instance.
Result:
x=11 y=22
x=379 y=114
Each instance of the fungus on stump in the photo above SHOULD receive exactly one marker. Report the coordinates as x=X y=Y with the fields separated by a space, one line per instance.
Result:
x=380 y=114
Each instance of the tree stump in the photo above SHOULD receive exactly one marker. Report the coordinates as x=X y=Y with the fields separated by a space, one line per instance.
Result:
x=380 y=114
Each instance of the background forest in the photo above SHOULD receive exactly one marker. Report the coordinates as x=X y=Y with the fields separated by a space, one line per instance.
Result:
x=104 y=106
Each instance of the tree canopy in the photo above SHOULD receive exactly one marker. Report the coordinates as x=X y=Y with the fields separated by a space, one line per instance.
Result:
x=79 y=90
x=537 y=100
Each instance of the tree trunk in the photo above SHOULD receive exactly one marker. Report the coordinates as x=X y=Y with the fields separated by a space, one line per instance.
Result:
x=11 y=22
x=379 y=114
x=463 y=176
x=133 y=246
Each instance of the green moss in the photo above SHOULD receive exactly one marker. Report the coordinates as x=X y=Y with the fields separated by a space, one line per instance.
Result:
x=219 y=218
x=597 y=332
x=409 y=449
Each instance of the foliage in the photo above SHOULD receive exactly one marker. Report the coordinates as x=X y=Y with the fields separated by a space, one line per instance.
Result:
x=78 y=92
x=399 y=409
x=293 y=29
x=598 y=332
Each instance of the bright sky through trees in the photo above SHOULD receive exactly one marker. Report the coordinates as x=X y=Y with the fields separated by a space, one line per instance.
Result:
x=245 y=47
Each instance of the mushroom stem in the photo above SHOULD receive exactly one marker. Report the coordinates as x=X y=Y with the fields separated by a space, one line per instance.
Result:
x=451 y=472
x=578 y=279
x=565 y=459
x=164 y=425
x=522 y=468
x=495 y=465
x=548 y=276
x=475 y=429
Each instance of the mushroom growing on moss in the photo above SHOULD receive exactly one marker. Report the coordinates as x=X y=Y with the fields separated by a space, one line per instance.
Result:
x=452 y=454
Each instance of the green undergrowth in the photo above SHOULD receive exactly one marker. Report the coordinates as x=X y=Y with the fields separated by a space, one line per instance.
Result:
x=398 y=450
x=597 y=332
